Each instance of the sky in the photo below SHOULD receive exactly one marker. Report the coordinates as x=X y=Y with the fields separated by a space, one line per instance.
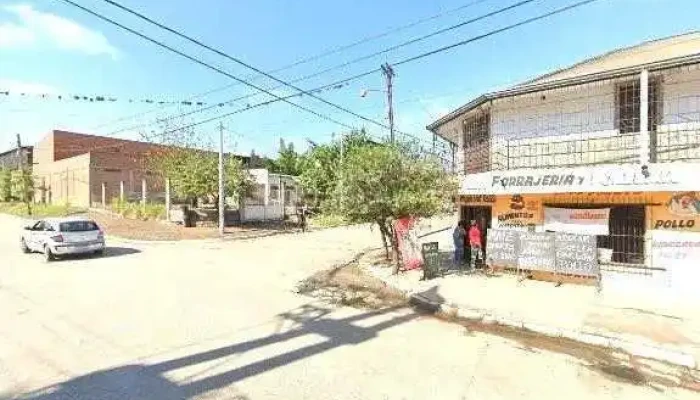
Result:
x=49 y=49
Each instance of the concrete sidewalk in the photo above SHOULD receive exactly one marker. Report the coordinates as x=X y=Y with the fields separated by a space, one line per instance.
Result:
x=640 y=323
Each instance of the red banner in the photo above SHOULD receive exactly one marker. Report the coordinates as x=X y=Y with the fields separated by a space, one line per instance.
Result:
x=409 y=246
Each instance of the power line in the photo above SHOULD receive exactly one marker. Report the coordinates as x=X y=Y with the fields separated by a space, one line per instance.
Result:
x=405 y=61
x=238 y=61
x=200 y=62
x=348 y=63
x=317 y=56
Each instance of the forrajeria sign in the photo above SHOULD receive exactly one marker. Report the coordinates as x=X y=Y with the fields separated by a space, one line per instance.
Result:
x=618 y=178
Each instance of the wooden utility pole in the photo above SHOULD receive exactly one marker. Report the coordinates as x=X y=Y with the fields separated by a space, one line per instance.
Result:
x=389 y=75
x=20 y=167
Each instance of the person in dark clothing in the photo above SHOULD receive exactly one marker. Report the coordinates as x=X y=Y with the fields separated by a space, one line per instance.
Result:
x=458 y=237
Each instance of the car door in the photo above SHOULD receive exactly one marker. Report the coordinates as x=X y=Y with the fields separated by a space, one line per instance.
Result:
x=40 y=234
x=30 y=236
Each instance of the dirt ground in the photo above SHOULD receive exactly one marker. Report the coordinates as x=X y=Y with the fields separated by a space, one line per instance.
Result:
x=161 y=231
x=348 y=285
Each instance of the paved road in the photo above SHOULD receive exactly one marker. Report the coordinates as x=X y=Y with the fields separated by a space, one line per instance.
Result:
x=210 y=320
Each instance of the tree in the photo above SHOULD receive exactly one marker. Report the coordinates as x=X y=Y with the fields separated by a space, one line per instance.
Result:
x=319 y=167
x=193 y=171
x=379 y=184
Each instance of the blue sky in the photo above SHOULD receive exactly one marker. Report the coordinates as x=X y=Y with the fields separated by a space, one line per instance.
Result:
x=47 y=46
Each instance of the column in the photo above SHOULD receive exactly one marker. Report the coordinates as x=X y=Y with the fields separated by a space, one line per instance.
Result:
x=167 y=199
x=144 y=194
x=644 y=138
x=104 y=200
x=460 y=156
x=121 y=191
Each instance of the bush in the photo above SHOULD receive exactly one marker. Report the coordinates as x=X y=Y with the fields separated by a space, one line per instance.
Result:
x=328 y=220
x=5 y=185
x=152 y=211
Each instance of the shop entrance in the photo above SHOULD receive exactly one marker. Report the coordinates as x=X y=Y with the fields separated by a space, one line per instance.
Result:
x=480 y=214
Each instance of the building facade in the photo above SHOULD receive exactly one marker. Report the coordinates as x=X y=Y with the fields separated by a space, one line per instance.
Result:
x=81 y=170
x=10 y=158
x=609 y=146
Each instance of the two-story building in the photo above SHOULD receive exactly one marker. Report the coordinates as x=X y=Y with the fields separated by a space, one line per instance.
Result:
x=609 y=146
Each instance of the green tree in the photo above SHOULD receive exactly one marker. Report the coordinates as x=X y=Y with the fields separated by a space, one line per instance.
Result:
x=320 y=166
x=193 y=171
x=5 y=184
x=379 y=184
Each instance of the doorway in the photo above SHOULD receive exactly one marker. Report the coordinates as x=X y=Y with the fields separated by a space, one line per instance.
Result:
x=480 y=214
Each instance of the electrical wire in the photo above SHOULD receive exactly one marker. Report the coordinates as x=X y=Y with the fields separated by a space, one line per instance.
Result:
x=314 y=57
x=204 y=64
x=401 y=62
x=238 y=61
x=338 y=66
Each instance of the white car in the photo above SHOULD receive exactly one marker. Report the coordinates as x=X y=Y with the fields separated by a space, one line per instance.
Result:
x=60 y=236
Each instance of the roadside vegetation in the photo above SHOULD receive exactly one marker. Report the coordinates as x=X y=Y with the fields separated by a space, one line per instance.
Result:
x=39 y=210
x=135 y=210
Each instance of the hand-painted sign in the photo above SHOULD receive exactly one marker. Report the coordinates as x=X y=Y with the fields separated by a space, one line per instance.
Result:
x=536 y=251
x=576 y=254
x=582 y=221
x=677 y=211
x=502 y=247
x=538 y=180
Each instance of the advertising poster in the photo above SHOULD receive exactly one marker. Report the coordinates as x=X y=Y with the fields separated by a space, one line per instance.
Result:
x=589 y=221
x=677 y=211
x=409 y=246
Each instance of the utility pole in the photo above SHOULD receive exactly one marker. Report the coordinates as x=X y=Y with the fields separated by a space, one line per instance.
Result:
x=389 y=75
x=20 y=167
x=222 y=200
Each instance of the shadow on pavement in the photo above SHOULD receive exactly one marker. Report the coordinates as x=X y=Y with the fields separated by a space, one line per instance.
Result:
x=110 y=252
x=149 y=382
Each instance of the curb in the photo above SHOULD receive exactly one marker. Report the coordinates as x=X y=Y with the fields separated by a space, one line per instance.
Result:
x=643 y=350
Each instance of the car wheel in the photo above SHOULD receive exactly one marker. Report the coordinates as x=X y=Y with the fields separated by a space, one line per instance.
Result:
x=48 y=255
x=23 y=245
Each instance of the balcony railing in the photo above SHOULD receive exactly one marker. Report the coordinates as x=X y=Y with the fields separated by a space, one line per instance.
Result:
x=667 y=144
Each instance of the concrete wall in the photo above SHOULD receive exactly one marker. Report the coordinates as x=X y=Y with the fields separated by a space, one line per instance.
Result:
x=65 y=181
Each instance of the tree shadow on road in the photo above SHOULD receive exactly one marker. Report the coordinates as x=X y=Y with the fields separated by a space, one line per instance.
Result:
x=149 y=382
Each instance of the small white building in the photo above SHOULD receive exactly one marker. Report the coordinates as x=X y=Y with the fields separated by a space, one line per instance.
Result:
x=274 y=196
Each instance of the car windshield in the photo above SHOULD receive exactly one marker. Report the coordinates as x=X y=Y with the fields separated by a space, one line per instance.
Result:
x=78 y=226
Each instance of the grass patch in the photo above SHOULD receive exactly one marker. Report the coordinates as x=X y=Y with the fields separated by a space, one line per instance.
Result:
x=328 y=221
x=40 y=210
x=152 y=211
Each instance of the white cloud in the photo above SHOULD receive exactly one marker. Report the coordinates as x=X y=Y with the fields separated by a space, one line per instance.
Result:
x=35 y=28
x=14 y=86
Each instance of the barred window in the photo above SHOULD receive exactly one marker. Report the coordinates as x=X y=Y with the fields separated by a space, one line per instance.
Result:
x=476 y=128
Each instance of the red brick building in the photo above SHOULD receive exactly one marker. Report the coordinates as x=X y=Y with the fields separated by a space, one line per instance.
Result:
x=75 y=168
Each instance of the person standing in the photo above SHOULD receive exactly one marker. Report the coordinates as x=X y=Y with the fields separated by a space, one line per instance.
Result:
x=458 y=236
x=474 y=236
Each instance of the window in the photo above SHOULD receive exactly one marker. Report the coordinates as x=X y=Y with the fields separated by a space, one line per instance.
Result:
x=78 y=226
x=628 y=106
x=626 y=235
x=274 y=192
x=256 y=195
x=476 y=128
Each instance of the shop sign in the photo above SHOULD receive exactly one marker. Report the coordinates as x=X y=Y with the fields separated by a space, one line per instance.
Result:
x=516 y=211
x=679 y=211
x=477 y=199
x=581 y=221
x=622 y=178
x=538 y=180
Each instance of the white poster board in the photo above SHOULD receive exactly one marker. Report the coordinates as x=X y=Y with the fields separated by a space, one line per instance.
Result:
x=581 y=221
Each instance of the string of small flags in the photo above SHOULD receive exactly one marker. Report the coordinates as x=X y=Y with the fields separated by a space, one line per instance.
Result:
x=111 y=99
